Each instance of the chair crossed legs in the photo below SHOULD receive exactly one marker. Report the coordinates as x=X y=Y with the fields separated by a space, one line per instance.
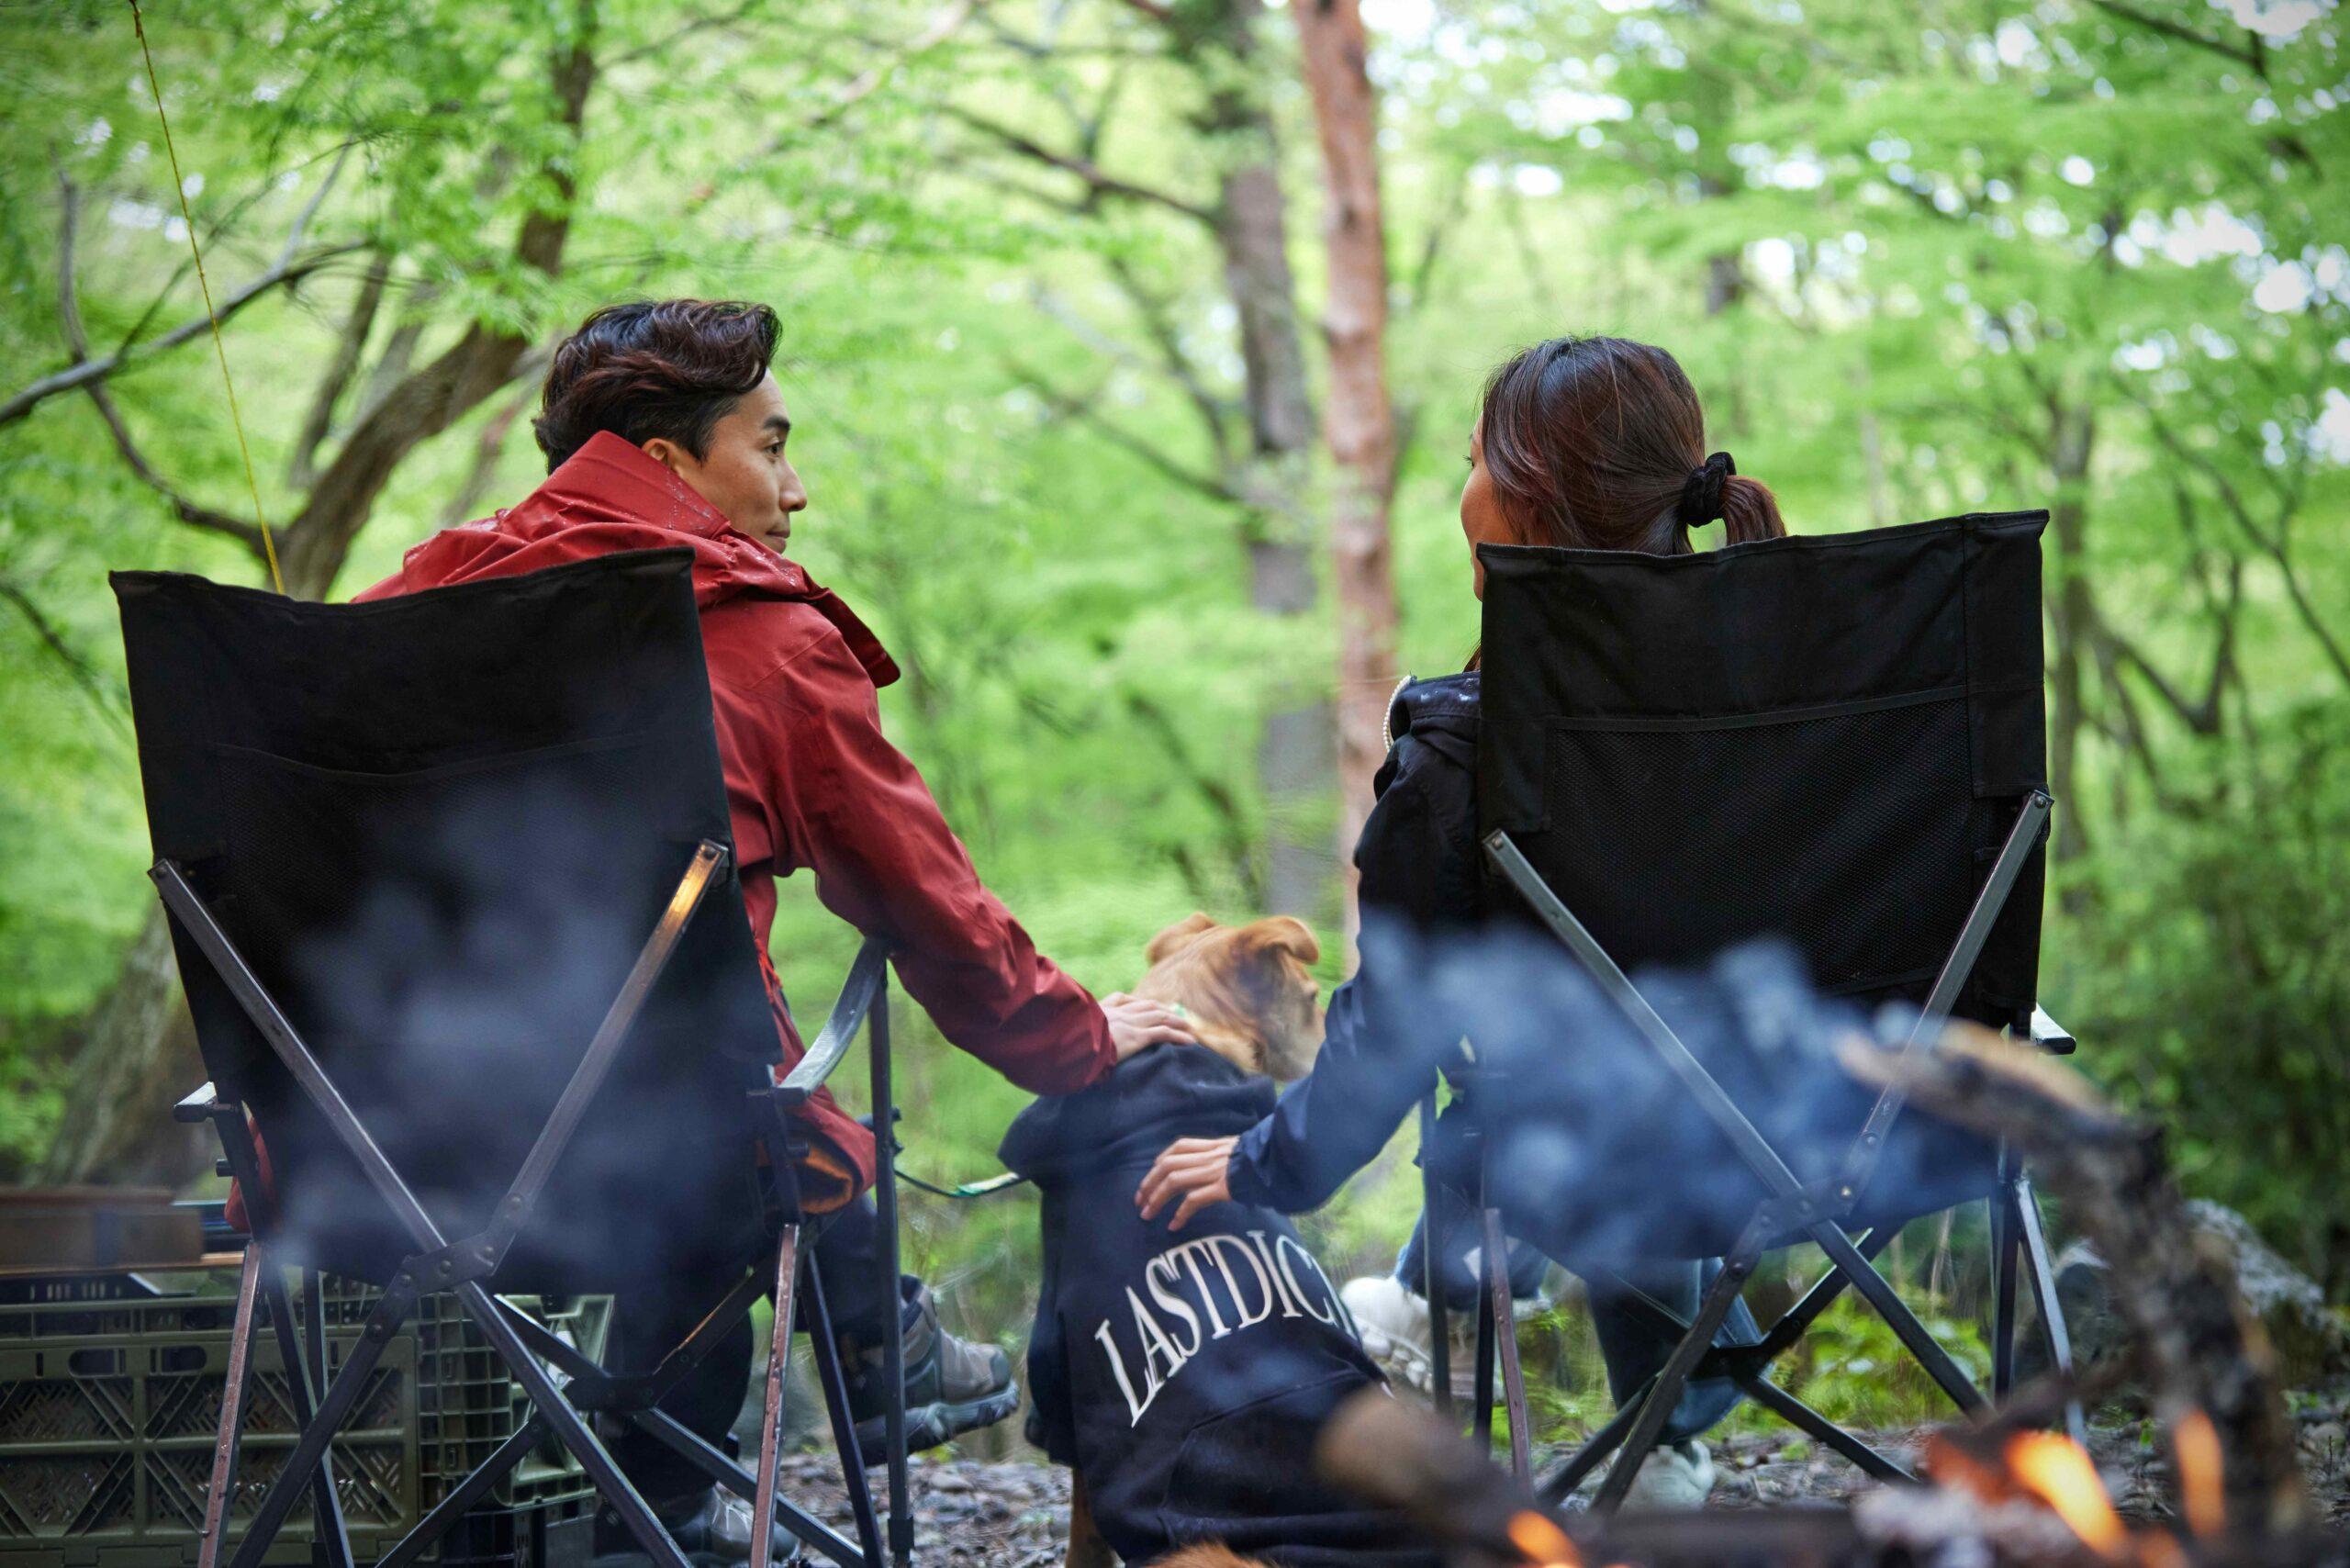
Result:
x=526 y=1349
x=1814 y=1211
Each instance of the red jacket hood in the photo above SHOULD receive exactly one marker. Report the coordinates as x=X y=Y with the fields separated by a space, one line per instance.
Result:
x=608 y=497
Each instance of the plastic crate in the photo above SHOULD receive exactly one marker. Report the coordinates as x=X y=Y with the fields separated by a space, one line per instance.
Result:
x=108 y=1410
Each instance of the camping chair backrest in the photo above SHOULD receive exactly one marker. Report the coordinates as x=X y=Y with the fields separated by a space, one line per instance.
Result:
x=440 y=828
x=1824 y=741
x=1824 y=738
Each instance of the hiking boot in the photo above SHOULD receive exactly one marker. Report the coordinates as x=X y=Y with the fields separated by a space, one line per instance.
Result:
x=712 y=1529
x=952 y=1386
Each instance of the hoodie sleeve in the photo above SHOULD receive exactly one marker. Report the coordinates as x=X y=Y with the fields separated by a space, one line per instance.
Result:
x=845 y=803
x=1381 y=1047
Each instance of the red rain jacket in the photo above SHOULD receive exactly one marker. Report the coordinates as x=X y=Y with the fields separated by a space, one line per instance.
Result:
x=810 y=781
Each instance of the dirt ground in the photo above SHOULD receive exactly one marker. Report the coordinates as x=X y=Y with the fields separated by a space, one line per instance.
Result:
x=973 y=1514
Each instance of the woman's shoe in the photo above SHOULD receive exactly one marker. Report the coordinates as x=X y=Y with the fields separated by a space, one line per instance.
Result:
x=1679 y=1476
x=1392 y=1323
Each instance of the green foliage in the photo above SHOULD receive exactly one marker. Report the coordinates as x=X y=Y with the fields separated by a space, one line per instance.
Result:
x=2224 y=965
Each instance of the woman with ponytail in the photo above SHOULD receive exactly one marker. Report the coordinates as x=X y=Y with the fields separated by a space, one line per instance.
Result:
x=1589 y=444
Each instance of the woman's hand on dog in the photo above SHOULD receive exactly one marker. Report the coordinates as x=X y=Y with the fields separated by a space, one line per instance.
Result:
x=1135 y=1022
x=1196 y=1170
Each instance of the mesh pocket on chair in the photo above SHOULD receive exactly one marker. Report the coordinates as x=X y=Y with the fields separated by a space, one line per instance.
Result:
x=1847 y=832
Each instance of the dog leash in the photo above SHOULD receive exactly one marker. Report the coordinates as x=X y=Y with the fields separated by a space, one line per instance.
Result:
x=968 y=1190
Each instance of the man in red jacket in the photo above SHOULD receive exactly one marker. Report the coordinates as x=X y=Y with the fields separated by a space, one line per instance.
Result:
x=664 y=427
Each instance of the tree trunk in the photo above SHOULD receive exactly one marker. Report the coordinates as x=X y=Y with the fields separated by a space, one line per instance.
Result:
x=1294 y=751
x=1359 y=422
x=136 y=1054
x=2072 y=434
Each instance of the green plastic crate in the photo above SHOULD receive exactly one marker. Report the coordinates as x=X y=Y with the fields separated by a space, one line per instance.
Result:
x=108 y=1410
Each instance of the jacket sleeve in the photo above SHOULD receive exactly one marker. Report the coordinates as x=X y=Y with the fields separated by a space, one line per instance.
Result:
x=845 y=803
x=1382 y=1043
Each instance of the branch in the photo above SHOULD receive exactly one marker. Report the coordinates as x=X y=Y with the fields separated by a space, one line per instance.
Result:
x=87 y=372
x=310 y=209
x=1097 y=181
x=1447 y=219
x=1160 y=326
x=69 y=310
x=301 y=467
x=683 y=30
x=2270 y=543
x=1191 y=478
x=190 y=511
x=85 y=674
x=867 y=82
x=2182 y=32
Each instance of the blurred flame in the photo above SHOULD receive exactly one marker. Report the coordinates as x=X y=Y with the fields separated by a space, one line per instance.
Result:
x=2060 y=1473
x=1543 y=1543
x=1949 y=1465
x=2194 y=1444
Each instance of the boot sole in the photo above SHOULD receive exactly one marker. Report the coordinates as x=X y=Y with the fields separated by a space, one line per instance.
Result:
x=929 y=1426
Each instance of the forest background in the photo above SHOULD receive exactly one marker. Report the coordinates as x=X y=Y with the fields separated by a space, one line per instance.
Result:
x=1148 y=476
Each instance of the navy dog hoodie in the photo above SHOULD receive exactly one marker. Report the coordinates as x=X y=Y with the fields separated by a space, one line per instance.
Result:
x=1184 y=1375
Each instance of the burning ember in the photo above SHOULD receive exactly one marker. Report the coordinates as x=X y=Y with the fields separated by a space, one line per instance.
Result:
x=2060 y=1472
x=2010 y=1486
x=2194 y=1444
x=1544 y=1543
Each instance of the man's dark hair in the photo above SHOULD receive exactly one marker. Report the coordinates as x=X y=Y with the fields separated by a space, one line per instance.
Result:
x=658 y=367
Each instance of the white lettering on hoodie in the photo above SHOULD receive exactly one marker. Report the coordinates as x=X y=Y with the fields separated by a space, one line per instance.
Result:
x=1231 y=1284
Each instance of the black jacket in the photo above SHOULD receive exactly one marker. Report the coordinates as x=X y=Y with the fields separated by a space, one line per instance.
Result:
x=1418 y=863
x=1185 y=1376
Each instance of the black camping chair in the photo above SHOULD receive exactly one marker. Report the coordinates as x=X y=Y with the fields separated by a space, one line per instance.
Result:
x=453 y=893
x=1837 y=740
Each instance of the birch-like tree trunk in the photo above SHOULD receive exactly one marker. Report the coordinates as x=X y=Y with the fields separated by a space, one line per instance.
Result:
x=1358 y=420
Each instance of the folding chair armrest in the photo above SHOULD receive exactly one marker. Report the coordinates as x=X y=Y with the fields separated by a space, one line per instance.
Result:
x=199 y=1105
x=867 y=977
x=2050 y=1036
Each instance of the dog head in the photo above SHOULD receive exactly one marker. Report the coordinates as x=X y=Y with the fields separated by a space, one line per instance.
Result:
x=1247 y=990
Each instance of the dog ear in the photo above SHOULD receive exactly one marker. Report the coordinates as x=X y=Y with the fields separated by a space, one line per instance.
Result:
x=1285 y=933
x=1176 y=936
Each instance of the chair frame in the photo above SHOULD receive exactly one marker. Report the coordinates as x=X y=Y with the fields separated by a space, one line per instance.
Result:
x=460 y=1267
x=1816 y=1209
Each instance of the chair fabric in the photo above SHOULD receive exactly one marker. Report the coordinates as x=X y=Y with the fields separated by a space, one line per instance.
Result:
x=1817 y=742
x=1823 y=738
x=440 y=828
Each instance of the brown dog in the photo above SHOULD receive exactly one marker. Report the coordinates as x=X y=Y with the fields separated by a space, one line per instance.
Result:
x=1249 y=998
x=1245 y=989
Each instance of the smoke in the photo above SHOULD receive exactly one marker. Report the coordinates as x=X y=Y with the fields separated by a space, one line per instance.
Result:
x=450 y=942
x=1591 y=1145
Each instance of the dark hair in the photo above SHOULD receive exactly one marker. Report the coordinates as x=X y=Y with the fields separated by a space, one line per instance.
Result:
x=660 y=367
x=1591 y=444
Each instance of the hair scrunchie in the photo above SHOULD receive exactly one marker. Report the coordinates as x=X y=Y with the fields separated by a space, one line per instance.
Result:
x=1701 y=493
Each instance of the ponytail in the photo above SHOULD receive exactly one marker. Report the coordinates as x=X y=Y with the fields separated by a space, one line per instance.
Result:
x=1750 y=512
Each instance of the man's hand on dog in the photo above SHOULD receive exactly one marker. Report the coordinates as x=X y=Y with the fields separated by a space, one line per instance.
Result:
x=1193 y=1169
x=1135 y=1022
